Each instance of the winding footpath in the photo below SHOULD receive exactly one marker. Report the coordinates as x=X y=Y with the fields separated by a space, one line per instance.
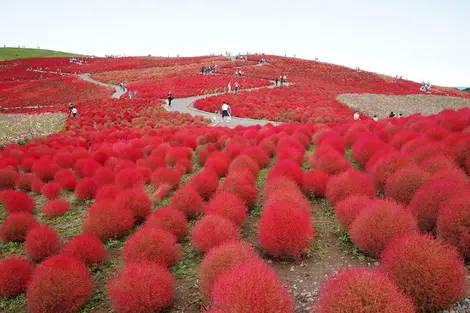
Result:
x=186 y=105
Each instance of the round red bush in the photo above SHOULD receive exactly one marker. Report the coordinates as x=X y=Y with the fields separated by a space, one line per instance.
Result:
x=248 y=287
x=152 y=244
x=293 y=196
x=387 y=166
x=259 y=155
x=219 y=164
x=15 y=273
x=285 y=230
x=51 y=190
x=86 y=188
x=17 y=201
x=136 y=200
x=205 y=183
x=455 y=174
x=213 y=230
x=331 y=162
x=104 y=176
x=227 y=205
x=239 y=187
x=44 y=169
x=130 y=178
x=141 y=288
x=23 y=182
x=170 y=219
x=360 y=290
x=365 y=147
x=188 y=201
x=166 y=176
x=314 y=183
x=276 y=184
x=87 y=248
x=436 y=163
x=349 y=208
x=68 y=181
x=16 y=226
x=349 y=183
x=7 y=178
x=403 y=184
x=41 y=242
x=54 y=208
x=60 y=284
x=453 y=222
x=107 y=192
x=289 y=169
x=427 y=270
x=244 y=161
x=105 y=220
x=378 y=224
x=220 y=259
x=427 y=200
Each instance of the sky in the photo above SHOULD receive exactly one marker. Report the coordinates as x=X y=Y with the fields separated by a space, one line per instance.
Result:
x=418 y=39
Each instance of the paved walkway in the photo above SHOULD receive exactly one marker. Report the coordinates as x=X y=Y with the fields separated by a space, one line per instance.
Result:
x=118 y=91
x=186 y=105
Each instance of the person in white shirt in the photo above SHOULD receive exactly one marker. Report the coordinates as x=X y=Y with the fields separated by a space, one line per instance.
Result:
x=356 y=116
x=74 y=111
x=375 y=118
x=225 y=113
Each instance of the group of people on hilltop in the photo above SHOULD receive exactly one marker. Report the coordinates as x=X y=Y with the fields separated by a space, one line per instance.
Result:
x=357 y=116
x=241 y=57
x=78 y=61
x=210 y=69
x=262 y=61
x=282 y=79
x=425 y=87
x=239 y=73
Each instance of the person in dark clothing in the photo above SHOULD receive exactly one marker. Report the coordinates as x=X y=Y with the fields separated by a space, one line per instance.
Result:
x=392 y=114
x=170 y=97
x=70 y=107
x=277 y=81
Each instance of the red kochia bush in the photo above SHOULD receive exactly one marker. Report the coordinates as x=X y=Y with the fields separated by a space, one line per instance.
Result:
x=362 y=291
x=44 y=169
x=259 y=155
x=349 y=208
x=213 y=230
x=426 y=201
x=60 y=284
x=7 y=178
x=378 y=224
x=105 y=220
x=68 y=181
x=388 y=165
x=453 y=222
x=41 y=242
x=17 y=201
x=278 y=184
x=220 y=259
x=55 y=208
x=349 y=183
x=285 y=230
x=293 y=196
x=86 y=188
x=227 y=205
x=239 y=187
x=170 y=219
x=188 y=201
x=23 y=182
x=15 y=273
x=136 y=200
x=51 y=190
x=152 y=244
x=365 y=147
x=314 y=183
x=16 y=226
x=248 y=287
x=130 y=178
x=205 y=183
x=287 y=168
x=403 y=184
x=219 y=164
x=245 y=161
x=107 y=192
x=87 y=248
x=166 y=176
x=427 y=270
x=141 y=288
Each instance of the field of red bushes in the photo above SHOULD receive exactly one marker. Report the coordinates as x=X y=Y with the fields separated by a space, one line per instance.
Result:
x=136 y=209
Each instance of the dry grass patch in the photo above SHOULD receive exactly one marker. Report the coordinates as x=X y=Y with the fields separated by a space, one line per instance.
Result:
x=21 y=127
x=382 y=105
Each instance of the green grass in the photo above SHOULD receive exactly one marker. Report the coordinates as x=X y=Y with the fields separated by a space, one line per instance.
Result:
x=24 y=53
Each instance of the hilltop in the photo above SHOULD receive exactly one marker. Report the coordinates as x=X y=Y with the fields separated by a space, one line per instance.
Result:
x=23 y=53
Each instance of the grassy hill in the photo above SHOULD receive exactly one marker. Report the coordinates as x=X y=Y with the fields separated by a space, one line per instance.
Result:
x=23 y=53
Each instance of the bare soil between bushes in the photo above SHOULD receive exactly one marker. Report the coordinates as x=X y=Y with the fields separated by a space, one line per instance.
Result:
x=382 y=105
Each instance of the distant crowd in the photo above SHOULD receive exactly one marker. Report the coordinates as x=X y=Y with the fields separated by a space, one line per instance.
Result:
x=80 y=61
x=357 y=116
x=210 y=69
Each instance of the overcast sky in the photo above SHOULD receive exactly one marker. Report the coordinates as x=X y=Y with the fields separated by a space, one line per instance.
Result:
x=421 y=40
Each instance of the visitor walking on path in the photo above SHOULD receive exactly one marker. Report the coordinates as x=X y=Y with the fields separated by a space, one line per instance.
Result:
x=229 y=87
x=392 y=114
x=225 y=113
x=130 y=94
x=170 y=97
x=70 y=107
x=357 y=117
x=74 y=111
x=236 y=87
x=277 y=81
